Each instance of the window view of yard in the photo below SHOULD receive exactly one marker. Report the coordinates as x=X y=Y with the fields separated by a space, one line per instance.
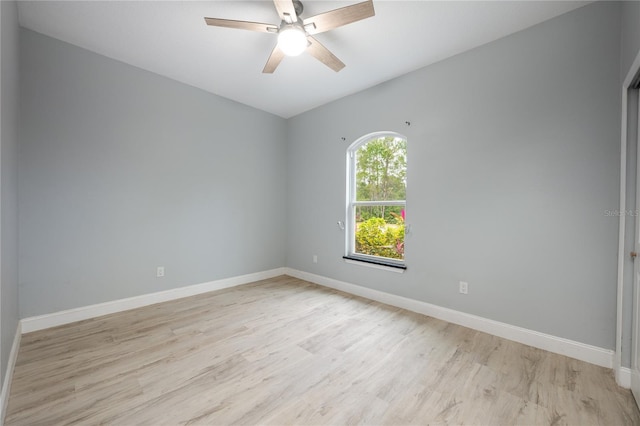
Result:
x=380 y=185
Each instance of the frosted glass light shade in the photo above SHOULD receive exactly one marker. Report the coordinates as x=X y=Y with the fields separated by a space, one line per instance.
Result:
x=292 y=41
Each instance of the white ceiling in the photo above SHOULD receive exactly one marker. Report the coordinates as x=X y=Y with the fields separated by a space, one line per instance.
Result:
x=170 y=38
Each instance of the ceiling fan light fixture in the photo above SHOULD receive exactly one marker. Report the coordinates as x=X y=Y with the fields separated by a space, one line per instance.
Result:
x=292 y=40
x=296 y=35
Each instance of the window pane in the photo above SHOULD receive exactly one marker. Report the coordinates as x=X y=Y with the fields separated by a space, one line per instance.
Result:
x=381 y=170
x=379 y=231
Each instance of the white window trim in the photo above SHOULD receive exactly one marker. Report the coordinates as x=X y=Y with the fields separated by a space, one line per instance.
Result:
x=350 y=255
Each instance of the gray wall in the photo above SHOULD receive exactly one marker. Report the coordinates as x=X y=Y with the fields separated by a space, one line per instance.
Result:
x=630 y=46
x=8 y=178
x=122 y=170
x=513 y=160
x=630 y=35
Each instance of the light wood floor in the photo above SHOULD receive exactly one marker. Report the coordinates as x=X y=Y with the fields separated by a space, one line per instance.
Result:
x=284 y=351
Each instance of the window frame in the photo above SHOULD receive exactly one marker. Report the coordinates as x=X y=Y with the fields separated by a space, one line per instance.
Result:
x=352 y=204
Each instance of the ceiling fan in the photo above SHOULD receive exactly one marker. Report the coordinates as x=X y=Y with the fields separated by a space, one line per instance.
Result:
x=295 y=33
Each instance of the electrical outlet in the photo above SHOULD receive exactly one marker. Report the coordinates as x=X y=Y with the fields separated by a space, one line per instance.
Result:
x=315 y=258
x=464 y=287
x=160 y=272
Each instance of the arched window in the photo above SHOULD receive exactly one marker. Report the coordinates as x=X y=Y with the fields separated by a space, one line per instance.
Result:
x=376 y=199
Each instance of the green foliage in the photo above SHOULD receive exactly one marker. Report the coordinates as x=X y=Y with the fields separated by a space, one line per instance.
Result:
x=388 y=213
x=377 y=238
x=381 y=175
x=381 y=172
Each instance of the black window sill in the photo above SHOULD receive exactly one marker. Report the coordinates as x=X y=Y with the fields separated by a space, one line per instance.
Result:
x=376 y=262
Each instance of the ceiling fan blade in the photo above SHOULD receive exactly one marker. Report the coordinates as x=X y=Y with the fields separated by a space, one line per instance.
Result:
x=286 y=10
x=323 y=54
x=339 y=17
x=242 y=25
x=274 y=60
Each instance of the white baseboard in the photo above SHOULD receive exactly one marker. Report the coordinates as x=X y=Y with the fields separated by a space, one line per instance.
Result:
x=85 y=312
x=588 y=353
x=623 y=377
x=8 y=376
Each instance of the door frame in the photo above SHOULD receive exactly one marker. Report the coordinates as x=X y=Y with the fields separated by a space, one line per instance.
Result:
x=623 y=374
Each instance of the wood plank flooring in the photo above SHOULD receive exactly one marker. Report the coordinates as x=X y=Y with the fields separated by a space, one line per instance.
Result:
x=284 y=351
